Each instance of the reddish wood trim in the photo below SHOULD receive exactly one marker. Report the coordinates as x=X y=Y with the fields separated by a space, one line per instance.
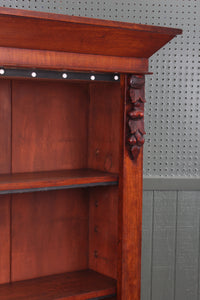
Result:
x=72 y=61
x=87 y=21
x=91 y=37
x=130 y=216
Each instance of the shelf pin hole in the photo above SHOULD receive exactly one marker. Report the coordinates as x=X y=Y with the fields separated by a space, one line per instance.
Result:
x=96 y=254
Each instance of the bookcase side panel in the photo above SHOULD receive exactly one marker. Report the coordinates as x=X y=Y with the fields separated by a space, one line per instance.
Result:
x=5 y=166
x=103 y=149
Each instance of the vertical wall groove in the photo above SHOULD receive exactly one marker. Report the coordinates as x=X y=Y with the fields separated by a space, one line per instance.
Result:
x=175 y=250
x=198 y=283
x=152 y=244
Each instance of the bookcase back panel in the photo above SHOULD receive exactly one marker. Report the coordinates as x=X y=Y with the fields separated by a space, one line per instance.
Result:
x=49 y=125
x=49 y=233
x=5 y=239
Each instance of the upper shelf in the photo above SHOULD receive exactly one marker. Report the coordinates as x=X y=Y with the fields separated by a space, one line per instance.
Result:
x=53 y=180
x=54 y=32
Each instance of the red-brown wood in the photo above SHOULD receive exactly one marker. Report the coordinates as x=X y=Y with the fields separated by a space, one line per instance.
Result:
x=22 y=181
x=103 y=230
x=5 y=167
x=4 y=239
x=80 y=285
x=5 y=126
x=104 y=126
x=70 y=61
x=130 y=213
x=103 y=154
x=49 y=233
x=68 y=34
x=87 y=21
x=49 y=126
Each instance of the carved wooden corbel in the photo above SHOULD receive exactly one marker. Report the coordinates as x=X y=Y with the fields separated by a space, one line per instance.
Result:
x=135 y=115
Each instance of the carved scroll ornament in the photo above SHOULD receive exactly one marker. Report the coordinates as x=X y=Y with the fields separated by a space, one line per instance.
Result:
x=135 y=115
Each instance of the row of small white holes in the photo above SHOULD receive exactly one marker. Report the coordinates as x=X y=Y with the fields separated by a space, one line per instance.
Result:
x=64 y=75
x=172 y=93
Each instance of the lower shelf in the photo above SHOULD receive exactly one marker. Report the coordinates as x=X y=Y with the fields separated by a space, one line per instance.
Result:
x=80 y=285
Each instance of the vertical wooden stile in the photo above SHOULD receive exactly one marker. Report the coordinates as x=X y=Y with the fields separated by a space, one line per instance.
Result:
x=130 y=188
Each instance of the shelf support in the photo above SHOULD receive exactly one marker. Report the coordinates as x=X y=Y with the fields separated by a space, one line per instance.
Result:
x=130 y=187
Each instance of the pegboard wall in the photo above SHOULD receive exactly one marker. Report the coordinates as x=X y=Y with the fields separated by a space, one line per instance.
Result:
x=173 y=102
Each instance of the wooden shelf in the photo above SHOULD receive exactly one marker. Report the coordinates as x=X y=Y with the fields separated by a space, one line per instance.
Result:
x=53 y=180
x=78 y=285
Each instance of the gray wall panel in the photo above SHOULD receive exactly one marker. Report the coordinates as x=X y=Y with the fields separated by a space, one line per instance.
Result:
x=147 y=245
x=170 y=245
x=164 y=235
x=187 y=259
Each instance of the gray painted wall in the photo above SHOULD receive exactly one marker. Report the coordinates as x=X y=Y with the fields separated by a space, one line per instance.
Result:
x=170 y=245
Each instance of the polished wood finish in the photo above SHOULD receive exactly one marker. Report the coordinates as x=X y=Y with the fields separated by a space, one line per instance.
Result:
x=103 y=154
x=72 y=34
x=5 y=240
x=103 y=233
x=130 y=214
x=63 y=178
x=49 y=233
x=79 y=285
x=104 y=119
x=5 y=126
x=58 y=134
x=87 y=21
x=50 y=118
x=5 y=167
x=71 y=61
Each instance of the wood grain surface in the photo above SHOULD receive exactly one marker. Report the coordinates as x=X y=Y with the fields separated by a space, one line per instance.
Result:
x=5 y=126
x=71 y=34
x=21 y=181
x=79 y=285
x=103 y=232
x=49 y=233
x=5 y=239
x=49 y=126
x=104 y=127
x=14 y=57
x=130 y=215
x=5 y=167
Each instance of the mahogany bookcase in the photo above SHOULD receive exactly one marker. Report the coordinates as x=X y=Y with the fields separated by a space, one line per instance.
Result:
x=72 y=130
